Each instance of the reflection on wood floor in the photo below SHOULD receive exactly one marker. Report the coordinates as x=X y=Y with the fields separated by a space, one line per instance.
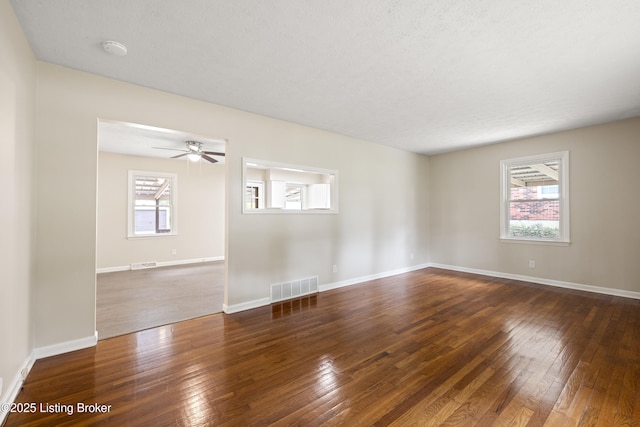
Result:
x=130 y=301
x=429 y=347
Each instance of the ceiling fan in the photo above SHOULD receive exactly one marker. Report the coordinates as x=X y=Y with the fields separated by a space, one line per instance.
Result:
x=194 y=152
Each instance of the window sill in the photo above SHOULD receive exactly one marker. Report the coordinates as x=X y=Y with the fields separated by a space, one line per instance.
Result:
x=536 y=242
x=151 y=236
x=269 y=211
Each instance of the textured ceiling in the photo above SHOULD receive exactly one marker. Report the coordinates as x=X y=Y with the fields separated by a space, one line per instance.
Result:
x=425 y=76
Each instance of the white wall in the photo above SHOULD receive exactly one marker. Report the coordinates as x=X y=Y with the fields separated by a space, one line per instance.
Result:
x=200 y=208
x=17 y=125
x=383 y=208
x=605 y=208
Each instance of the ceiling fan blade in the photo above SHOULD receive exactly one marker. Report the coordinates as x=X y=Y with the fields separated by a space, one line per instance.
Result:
x=172 y=149
x=215 y=153
x=179 y=155
x=210 y=159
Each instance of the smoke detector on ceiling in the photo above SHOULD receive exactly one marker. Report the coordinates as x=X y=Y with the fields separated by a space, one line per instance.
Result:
x=114 y=48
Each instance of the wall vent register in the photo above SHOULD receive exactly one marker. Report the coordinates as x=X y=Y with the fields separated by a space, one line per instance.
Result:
x=294 y=289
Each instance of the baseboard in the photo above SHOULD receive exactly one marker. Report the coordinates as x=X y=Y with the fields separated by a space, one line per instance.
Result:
x=542 y=281
x=189 y=261
x=13 y=388
x=229 y=309
x=235 y=308
x=161 y=264
x=113 y=269
x=361 y=279
x=65 y=347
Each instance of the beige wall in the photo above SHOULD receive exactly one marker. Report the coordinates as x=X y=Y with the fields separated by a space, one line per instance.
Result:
x=200 y=208
x=442 y=209
x=17 y=125
x=605 y=237
x=383 y=198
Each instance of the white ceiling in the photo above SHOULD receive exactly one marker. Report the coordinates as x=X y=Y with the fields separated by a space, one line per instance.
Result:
x=424 y=76
x=140 y=140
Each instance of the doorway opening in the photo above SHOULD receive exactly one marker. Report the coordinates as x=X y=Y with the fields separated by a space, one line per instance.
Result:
x=160 y=227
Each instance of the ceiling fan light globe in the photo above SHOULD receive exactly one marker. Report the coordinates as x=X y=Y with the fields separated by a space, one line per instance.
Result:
x=194 y=157
x=193 y=146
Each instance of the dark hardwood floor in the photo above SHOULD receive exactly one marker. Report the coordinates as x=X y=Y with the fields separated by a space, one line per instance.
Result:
x=429 y=347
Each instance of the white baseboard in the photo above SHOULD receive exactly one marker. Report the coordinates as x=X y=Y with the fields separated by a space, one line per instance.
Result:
x=13 y=388
x=65 y=347
x=230 y=309
x=361 y=279
x=235 y=308
x=190 y=261
x=542 y=281
x=113 y=269
x=161 y=264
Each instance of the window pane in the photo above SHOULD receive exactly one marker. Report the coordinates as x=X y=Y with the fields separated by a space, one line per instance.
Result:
x=145 y=221
x=535 y=218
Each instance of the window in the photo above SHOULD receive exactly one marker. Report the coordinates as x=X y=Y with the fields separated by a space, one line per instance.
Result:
x=271 y=187
x=152 y=204
x=535 y=198
x=254 y=195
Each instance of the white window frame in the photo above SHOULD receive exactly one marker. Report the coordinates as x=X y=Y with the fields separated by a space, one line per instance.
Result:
x=261 y=196
x=563 y=197
x=131 y=234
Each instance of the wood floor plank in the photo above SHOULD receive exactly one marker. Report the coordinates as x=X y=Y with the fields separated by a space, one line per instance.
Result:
x=430 y=347
x=133 y=300
x=522 y=417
